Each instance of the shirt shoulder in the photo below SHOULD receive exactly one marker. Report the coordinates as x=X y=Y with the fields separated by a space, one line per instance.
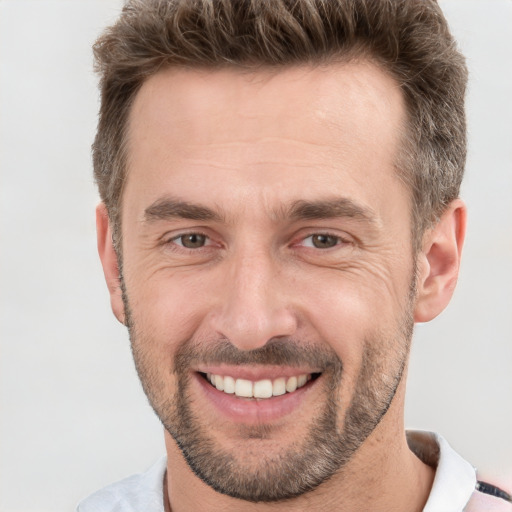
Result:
x=143 y=491
x=489 y=498
x=456 y=487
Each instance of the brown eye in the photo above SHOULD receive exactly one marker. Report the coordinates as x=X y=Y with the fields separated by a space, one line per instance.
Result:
x=324 y=241
x=191 y=240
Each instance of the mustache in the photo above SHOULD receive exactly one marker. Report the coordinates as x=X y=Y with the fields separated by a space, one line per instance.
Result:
x=277 y=352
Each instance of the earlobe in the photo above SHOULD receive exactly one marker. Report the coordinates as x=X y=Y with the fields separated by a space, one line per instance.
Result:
x=439 y=262
x=109 y=261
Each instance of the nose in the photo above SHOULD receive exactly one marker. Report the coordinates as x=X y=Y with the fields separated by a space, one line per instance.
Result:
x=253 y=306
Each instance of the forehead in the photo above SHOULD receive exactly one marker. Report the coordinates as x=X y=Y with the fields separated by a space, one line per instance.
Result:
x=291 y=129
x=196 y=99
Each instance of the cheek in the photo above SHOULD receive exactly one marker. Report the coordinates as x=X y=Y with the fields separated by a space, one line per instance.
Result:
x=166 y=308
x=353 y=301
x=164 y=316
x=352 y=308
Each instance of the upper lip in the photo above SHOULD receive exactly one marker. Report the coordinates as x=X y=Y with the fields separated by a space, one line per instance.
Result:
x=256 y=373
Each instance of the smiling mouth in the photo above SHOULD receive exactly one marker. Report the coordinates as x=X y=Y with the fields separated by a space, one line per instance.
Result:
x=261 y=389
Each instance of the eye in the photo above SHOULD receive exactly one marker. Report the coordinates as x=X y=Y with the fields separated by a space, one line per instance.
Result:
x=322 y=241
x=191 y=240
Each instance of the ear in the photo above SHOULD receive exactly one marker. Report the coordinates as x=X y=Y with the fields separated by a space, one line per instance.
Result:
x=439 y=262
x=109 y=261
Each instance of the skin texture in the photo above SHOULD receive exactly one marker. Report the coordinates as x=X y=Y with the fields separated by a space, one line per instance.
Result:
x=257 y=166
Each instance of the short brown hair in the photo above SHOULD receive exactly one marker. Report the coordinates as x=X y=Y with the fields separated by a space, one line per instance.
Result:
x=410 y=39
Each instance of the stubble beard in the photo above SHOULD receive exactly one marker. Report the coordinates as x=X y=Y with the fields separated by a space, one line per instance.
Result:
x=305 y=464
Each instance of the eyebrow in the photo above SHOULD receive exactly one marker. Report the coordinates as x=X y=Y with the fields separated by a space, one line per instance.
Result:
x=330 y=209
x=169 y=208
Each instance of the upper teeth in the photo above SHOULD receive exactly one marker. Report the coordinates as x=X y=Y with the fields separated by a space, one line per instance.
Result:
x=259 y=389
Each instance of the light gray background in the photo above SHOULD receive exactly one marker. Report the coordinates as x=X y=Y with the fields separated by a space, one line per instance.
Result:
x=72 y=415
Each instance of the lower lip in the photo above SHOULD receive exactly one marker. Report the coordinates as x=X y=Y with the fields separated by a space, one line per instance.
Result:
x=251 y=411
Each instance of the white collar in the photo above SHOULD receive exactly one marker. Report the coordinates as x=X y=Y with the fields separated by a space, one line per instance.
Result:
x=455 y=478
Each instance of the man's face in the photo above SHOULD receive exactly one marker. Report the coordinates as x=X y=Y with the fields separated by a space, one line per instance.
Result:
x=267 y=247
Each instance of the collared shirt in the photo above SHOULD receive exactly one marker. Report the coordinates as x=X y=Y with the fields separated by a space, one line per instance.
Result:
x=453 y=489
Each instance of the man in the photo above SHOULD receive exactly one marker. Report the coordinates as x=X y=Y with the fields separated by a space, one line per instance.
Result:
x=279 y=185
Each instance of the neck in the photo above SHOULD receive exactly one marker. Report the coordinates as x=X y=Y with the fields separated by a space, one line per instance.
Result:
x=383 y=475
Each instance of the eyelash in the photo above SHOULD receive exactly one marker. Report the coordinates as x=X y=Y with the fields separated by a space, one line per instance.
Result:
x=173 y=242
x=339 y=240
